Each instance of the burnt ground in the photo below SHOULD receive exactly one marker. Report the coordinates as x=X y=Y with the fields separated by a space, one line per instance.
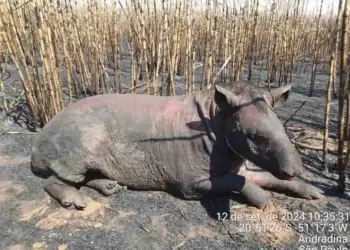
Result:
x=30 y=219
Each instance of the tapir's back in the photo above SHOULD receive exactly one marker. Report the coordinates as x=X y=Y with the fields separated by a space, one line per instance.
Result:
x=115 y=111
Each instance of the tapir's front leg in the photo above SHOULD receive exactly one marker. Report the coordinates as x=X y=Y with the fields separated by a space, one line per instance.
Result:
x=266 y=180
x=66 y=194
x=255 y=195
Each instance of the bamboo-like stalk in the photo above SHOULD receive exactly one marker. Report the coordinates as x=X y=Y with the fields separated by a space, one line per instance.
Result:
x=206 y=45
x=2 y=88
x=226 y=47
x=316 y=51
x=270 y=35
x=212 y=44
x=16 y=46
x=252 y=41
x=234 y=49
x=120 y=61
x=342 y=86
x=332 y=74
x=173 y=49
x=188 y=52
x=295 y=32
x=144 y=46
x=28 y=91
x=158 y=45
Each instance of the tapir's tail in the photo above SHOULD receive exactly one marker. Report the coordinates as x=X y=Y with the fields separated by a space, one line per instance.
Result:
x=39 y=166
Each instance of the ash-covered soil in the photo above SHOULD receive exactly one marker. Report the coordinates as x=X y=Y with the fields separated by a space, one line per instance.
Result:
x=30 y=219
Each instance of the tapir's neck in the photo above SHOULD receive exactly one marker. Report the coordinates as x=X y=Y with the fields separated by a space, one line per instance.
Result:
x=207 y=109
x=213 y=121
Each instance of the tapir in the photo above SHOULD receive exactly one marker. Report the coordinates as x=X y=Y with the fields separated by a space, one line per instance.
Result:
x=190 y=146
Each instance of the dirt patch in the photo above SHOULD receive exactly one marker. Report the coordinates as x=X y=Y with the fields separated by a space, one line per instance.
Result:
x=158 y=226
x=55 y=217
x=13 y=160
x=117 y=223
x=35 y=246
x=62 y=247
x=39 y=246
x=269 y=225
x=194 y=233
x=88 y=217
x=309 y=138
x=17 y=247
x=9 y=190
x=125 y=214
x=200 y=231
x=33 y=209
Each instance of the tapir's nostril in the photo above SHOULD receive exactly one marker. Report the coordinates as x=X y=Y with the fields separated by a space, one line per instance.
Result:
x=288 y=175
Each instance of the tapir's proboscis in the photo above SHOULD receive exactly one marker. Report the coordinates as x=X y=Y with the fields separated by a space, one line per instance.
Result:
x=190 y=146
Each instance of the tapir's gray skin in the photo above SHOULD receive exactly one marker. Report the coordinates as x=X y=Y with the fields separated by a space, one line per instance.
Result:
x=190 y=146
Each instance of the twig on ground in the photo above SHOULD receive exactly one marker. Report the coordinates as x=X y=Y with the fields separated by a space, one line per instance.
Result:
x=311 y=147
x=180 y=245
x=228 y=231
x=19 y=133
x=144 y=228
x=182 y=213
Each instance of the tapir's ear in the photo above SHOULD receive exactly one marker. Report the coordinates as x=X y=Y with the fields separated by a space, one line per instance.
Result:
x=225 y=98
x=279 y=96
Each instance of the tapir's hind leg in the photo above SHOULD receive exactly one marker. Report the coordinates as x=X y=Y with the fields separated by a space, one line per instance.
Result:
x=66 y=194
x=96 y=180
x=105 y=186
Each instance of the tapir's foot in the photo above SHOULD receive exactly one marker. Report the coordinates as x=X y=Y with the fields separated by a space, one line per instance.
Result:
x=255 y=195
x=105 y=186
x=266 y=180
x=304 y=190
x=68 y=196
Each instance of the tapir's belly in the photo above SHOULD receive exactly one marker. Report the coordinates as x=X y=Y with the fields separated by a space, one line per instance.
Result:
x=119 y=155
x=134 y=166
x=151 y=164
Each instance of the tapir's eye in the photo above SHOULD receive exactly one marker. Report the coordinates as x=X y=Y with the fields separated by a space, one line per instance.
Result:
x=233 y=125
x=257 y=143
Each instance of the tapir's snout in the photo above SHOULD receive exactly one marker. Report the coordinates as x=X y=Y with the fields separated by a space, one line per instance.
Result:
x=289 y=175
x=289 y=161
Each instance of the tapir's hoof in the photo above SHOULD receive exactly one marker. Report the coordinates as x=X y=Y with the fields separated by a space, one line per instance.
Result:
x=111 y=187
x=255 y=195
x=67 y=196
x=308 y=191
x=105 y=186
x=73 y=199
x=70 y=203
x=70 y=199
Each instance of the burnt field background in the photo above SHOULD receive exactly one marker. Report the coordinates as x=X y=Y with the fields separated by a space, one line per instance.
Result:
x=55 y=53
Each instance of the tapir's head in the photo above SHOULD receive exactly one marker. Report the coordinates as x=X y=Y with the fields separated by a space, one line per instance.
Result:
x=253 y=130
